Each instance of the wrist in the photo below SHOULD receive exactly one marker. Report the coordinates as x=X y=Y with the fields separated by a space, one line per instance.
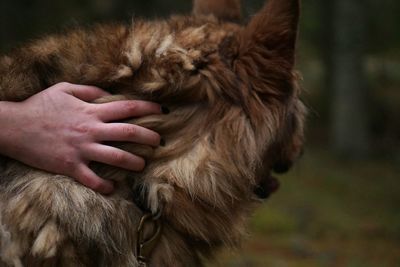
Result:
x=8 y=132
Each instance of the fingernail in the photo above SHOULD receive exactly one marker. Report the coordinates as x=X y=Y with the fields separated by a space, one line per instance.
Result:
x=162 y=142
x=165 y=110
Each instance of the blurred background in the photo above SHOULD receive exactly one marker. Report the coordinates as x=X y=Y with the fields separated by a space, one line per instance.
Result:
x=340 y=206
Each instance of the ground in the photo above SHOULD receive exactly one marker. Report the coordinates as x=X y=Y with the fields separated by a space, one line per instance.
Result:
x=328 y=212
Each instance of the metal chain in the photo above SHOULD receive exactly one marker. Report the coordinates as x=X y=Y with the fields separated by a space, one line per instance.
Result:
x=146 y=244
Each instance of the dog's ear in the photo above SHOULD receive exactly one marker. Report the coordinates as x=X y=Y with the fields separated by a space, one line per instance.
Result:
x=266 y=55
x=229 y=10
x=274 y=29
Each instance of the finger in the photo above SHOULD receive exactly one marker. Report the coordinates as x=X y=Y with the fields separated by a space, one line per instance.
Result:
x=119 y=110
x=90 y=179
x=127 y=133
x=85 y=92
x=114 y=157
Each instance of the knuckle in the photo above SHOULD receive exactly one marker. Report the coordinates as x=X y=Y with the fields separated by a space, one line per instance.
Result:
x=67 y=163
x=83 y=129
x=130 y=131
x=89 y=109
x=119 y=158
x=63 y=84
x=131 y=106
x=92 y=113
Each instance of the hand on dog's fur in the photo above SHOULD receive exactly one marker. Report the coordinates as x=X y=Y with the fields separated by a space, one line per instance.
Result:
x=68 y=132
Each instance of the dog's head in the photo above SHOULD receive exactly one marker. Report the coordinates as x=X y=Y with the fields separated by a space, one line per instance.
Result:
x=260 y=58
x=233 y=91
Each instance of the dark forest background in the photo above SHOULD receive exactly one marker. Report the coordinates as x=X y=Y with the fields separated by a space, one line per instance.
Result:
x=341 y=204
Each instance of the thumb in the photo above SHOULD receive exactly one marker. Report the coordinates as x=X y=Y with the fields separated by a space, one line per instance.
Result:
x=84 y=92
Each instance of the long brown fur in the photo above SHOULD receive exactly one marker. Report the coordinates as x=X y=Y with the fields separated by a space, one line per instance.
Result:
x=236 y=114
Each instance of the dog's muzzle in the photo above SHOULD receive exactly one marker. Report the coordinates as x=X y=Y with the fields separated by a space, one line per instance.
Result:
x=267 y=187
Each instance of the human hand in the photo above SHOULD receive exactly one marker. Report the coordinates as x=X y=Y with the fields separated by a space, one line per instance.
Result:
x=58 y=131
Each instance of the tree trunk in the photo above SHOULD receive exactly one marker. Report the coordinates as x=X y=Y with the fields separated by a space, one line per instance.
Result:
x=349 y=109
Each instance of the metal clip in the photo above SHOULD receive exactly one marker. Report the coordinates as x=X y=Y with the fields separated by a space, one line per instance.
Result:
x=146 y=245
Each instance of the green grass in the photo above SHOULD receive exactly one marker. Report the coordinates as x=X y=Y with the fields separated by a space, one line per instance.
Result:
x=327 y=213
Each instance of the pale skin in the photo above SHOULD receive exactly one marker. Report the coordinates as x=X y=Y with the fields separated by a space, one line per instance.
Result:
x=58 y=130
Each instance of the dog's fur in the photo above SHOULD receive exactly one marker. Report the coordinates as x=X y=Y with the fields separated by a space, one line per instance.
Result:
x=235 y=115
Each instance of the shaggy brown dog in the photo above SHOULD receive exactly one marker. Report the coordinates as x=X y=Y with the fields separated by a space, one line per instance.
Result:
x=235 y=115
